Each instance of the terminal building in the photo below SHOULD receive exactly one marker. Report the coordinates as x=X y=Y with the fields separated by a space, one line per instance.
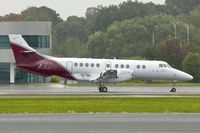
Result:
x=37 y=35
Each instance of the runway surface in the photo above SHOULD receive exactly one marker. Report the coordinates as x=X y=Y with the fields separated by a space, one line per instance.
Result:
x=100 y=123
x=59 y=89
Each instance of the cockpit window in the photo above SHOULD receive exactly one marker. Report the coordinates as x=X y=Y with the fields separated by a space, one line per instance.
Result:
x=164 y=65
x=168 y=66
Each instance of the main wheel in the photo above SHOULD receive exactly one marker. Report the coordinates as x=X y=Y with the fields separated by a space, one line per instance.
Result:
x=103 y=89
x=100 y=89
x=173 y=90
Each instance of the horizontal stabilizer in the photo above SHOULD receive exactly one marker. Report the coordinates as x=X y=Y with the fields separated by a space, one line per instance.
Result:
x=28 y=52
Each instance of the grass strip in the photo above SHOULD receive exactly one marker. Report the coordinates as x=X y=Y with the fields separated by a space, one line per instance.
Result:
x=99 y=105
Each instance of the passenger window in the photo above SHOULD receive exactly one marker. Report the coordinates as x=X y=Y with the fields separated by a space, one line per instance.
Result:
x=81 y=64
x=116 y=65
x=138 y=66
x=108 y=65
x=86 y=64
x=92 y=65
x=160 y=65
x=164 y=65
x=122 y=66
x=97 y=65
x=75 y=64
x=143 y=66
x=127 y=66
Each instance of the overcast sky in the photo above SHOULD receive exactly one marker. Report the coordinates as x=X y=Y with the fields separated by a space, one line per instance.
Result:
x=64 y=7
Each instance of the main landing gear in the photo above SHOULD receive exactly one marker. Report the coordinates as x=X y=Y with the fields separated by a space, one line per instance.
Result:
x=103 y=88
x=174 y=87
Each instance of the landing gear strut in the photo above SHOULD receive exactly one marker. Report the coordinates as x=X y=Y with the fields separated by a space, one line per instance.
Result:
x=103 y=88
x=174 y=87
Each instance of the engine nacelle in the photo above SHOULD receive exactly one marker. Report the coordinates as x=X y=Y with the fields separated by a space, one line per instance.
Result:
x=124 y=75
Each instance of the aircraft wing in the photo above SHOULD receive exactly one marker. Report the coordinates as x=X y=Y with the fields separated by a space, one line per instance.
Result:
x=107 y=75
x=95 y=77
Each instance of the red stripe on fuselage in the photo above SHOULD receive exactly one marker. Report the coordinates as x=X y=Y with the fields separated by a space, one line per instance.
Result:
x=34 y=63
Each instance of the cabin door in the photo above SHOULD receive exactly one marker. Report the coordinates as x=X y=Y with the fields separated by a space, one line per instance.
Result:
x=69 y=66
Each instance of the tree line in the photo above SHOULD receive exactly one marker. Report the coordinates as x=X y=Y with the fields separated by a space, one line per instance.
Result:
x=168 y=32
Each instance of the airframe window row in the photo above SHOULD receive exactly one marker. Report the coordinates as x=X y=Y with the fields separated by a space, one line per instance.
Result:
x=86 y=65
x=122 y=66
x=143 y=67
x=98 y=65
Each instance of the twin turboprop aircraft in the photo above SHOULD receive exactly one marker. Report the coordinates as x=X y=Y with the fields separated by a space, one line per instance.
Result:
x=98 y=71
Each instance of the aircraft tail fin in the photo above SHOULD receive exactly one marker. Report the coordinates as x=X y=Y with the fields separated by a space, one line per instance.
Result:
x=30 y=60
x=23 y=53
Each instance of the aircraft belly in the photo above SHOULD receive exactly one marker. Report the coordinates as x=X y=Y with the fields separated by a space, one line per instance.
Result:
x=85 y=76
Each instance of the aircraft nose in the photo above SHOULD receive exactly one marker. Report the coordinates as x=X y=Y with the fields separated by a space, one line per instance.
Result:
x=188 y=77
x=182 y=76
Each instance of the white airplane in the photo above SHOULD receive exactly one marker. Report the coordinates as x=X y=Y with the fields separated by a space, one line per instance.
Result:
x=98 y=71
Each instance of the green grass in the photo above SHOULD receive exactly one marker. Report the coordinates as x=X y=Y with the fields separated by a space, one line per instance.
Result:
x=99 y=105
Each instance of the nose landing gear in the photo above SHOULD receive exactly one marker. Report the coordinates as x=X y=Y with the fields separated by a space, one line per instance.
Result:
x=174 y=87
x=173 y=90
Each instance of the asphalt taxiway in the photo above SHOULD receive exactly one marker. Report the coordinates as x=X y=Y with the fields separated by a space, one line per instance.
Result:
x=133 y=91
x=100 y=123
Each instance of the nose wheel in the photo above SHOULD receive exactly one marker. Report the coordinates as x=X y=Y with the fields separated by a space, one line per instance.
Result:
x=173 y=90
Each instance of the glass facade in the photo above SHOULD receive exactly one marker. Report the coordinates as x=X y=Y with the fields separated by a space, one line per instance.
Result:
x=38 y=41
x=20 y=76
x=4 y=72
x=4 y=42
x=24 y=77
x=34 y=41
